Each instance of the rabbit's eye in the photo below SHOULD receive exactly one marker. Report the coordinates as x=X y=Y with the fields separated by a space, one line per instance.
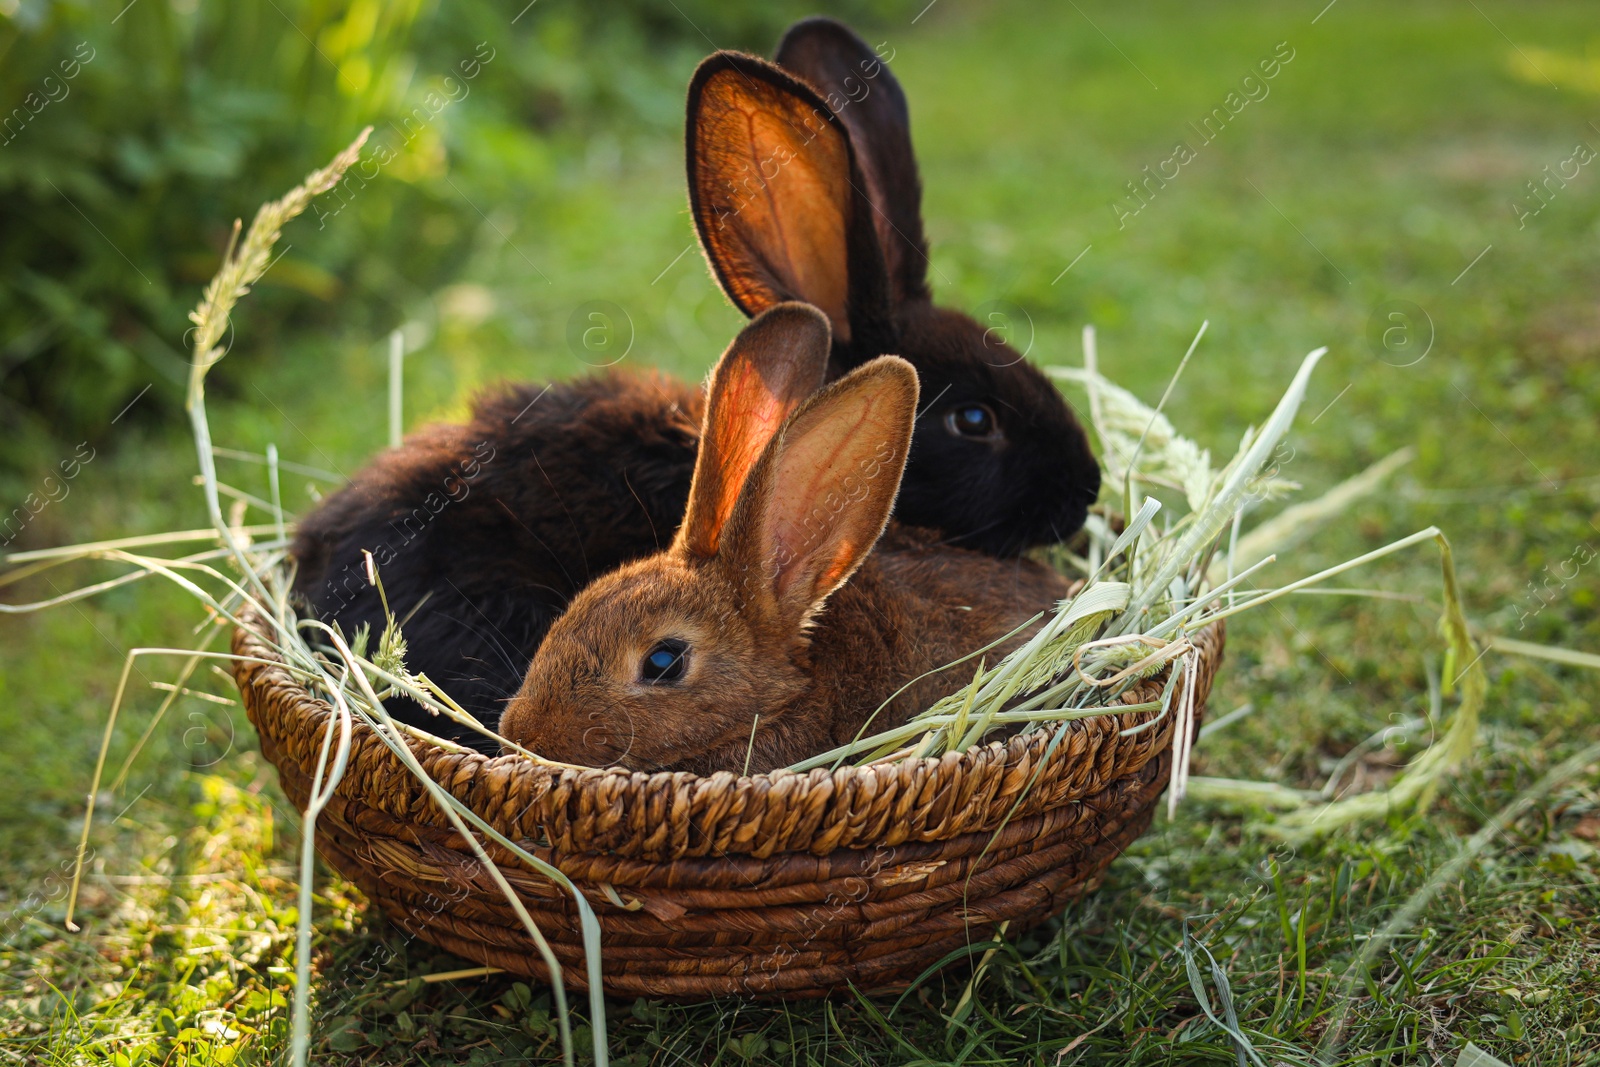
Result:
x=971 y=420
x=664 y=663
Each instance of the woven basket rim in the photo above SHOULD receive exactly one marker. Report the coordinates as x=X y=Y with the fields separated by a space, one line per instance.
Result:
x=671 y=814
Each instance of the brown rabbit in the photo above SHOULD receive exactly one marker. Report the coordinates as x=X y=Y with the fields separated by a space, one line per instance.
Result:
x=770 y=627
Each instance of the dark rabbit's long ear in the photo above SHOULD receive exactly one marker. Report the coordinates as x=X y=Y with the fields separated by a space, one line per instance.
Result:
x=855 y=81
x=778 y=201
x=818 y=500
x=768 y=371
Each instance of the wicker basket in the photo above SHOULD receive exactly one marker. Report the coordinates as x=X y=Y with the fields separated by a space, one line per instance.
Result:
x=783 y=884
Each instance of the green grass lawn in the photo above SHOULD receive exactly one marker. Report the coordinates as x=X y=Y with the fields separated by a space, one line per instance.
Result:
x=1376 y=175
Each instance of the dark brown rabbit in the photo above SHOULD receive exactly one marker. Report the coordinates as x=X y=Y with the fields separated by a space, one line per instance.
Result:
x=803 y=186
x=483 y=532
x=771 y=629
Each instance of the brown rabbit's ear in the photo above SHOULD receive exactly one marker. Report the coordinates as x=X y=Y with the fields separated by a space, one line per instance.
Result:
x=768 y=371
x=821 y=494
x=855 y=82
x=777 y=199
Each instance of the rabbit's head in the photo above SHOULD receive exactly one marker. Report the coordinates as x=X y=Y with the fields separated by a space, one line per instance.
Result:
x=668 y=661
x=803 y=186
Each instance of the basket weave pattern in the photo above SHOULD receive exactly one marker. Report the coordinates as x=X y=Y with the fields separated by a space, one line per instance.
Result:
x=780 y=884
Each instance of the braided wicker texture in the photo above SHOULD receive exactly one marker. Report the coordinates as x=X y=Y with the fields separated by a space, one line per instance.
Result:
x=783 y=884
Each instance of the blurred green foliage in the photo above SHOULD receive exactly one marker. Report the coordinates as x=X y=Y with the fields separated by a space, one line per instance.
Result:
x=131 y=136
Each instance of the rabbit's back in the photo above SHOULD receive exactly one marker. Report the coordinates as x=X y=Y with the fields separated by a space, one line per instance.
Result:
x=482 y=531
x=917 y=605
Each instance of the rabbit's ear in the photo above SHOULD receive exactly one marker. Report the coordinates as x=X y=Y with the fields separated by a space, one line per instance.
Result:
x=778 y=202
x=768 y=371
x=821 y=494
x=855 y=82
